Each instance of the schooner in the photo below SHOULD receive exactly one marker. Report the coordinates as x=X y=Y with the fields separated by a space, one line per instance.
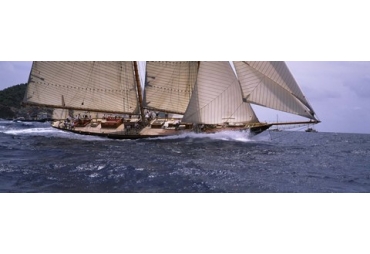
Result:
x=108 y=99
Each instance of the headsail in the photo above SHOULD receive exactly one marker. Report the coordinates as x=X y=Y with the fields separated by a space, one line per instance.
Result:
x=91 y=86
x=271 y=84
x=169 y=85
x=217 y=97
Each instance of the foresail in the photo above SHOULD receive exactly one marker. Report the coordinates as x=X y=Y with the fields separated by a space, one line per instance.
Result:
x=217 y=97
x=169 y=85
x=271 y=84
x=90 y=86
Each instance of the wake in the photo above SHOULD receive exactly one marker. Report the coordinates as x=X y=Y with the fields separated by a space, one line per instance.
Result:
x=241 y=136
x=51 y=132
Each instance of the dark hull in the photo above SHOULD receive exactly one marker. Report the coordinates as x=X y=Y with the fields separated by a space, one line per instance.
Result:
x=260 y=129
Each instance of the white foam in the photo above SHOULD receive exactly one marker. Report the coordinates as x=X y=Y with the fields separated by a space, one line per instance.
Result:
x=50 y=131
x=242 y=136
x=30 y=131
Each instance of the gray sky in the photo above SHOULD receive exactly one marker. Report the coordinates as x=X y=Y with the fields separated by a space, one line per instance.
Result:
x=13 y=73
x=339 y=92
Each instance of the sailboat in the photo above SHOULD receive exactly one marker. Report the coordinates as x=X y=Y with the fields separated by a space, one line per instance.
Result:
x=108 y=98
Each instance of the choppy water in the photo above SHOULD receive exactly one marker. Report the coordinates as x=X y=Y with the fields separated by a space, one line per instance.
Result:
x=37 y=158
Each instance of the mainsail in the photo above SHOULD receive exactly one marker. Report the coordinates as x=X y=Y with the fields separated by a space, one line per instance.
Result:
x=90 y=86
x=271 y=84
x=60 y=114
x=217 y=97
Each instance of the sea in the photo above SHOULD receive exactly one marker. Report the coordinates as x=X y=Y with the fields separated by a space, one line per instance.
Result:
x=193 y=193
x=36 y=158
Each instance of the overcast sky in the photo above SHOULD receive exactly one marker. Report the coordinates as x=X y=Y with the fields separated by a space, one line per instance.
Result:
x=339 y=92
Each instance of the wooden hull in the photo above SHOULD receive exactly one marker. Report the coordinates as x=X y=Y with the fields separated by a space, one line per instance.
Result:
x=123 y=130
x=112 y=135
x=154 y=130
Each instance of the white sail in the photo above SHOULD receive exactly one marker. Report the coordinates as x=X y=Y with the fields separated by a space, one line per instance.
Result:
x=217 y=97
x=89 y=86
x=169 y=85
x=271 y=84
x=60 y=113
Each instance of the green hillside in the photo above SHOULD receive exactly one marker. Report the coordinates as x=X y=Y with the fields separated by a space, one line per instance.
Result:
x=11 y=107
x=13 y=96
x=10 y=101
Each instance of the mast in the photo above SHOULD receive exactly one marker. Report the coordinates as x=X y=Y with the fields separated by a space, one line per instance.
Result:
x=139 y=92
